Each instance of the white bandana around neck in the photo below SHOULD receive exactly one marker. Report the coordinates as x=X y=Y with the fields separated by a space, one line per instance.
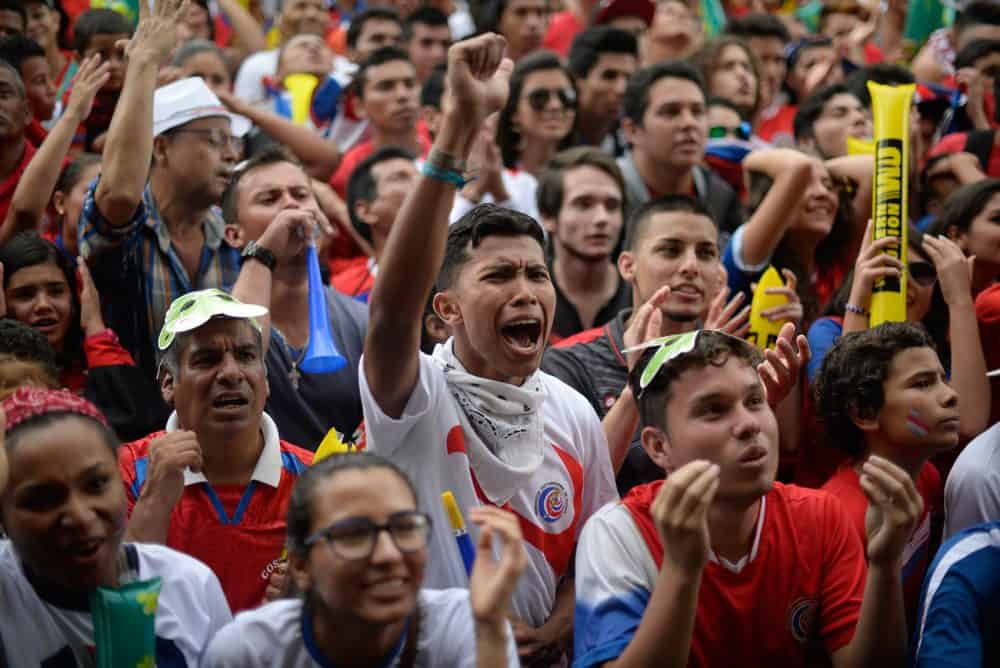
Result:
x=507 y=441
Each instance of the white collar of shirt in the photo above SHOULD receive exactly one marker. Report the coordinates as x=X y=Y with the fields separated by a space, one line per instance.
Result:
x=738 y=566
x=268 y=469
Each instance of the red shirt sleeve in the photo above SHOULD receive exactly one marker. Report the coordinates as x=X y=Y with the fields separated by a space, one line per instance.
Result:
x=126 y=466
x=103 y=349
x=843 y=579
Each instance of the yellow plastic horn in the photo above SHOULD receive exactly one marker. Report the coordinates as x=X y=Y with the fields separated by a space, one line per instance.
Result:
x=301 y=87
x=891 y=110
x=332 y=444
x=764 y=332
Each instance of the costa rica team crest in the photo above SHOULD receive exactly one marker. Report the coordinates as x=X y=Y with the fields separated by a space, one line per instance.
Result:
x=801 y=619
x=551 y=502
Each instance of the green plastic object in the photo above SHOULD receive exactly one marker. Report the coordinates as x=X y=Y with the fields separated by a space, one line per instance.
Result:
x=125 y=624
x=924 y=17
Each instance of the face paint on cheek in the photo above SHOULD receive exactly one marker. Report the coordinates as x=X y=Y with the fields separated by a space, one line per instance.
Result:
x=916 y=425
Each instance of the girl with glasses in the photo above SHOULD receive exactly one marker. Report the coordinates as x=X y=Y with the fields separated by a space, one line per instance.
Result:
x=357 y=549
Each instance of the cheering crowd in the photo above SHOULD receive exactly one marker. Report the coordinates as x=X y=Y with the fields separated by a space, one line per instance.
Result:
x=543 y=243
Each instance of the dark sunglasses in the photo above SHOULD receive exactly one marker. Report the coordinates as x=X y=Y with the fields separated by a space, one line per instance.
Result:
x=922 y=273
x=742 y=131
x=538 y=99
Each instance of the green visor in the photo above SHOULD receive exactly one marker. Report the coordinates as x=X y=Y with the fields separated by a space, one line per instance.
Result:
x=669 y=348
x=194 y=309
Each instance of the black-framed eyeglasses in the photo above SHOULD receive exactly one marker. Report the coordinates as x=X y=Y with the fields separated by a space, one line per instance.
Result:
x=217 y=137
x=539 y=98
x=922 y=273
x=354 y=538
x=741 y=131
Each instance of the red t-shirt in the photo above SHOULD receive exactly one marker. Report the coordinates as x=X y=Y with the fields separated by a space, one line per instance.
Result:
x=779 y=126
x=955 y=143
x=798 y=597
x=988 y=315
x=238 y=532
x=356 y=280
x=362 y=150
x=846 y=486
x=563 y=28
x=9 y=184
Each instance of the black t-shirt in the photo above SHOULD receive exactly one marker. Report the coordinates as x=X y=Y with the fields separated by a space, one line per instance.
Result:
x=566 y=321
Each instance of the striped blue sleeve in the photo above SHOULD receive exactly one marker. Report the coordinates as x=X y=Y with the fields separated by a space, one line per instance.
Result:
x=96 y=233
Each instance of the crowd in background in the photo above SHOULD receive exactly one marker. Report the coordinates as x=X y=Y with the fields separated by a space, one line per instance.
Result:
x=532 y=232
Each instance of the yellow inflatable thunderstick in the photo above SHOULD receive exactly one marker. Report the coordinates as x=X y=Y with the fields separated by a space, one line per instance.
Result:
x=764 y=332
x=891 y=110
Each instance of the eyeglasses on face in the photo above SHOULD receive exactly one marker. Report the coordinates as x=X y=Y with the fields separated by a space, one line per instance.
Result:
x=741 y=131
x=922 y=273
x=354 y=538
x=217 y=137
x=539 y=98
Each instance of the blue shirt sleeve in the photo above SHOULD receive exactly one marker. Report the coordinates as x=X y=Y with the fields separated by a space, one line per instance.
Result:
x=739 y=274
x=822 y=336
x=96 y=233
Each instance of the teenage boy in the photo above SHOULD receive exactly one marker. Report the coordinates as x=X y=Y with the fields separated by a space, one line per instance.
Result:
x=427 y=39
x=883 y=392
x=827 y=118
x=478 y=418
x=29 y=59
x=719 y=565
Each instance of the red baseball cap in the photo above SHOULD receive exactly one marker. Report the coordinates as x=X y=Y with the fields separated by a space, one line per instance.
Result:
x=609 y=10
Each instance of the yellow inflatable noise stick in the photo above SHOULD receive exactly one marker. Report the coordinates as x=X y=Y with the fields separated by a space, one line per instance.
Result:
x=301 y=87
x=764 y=332
x=465 y=547
x=857 y=146
x=891 y=110
x=333 y=444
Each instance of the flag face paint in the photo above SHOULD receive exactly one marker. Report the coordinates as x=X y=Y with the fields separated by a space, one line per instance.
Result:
x=891 y=108
x=916 y=425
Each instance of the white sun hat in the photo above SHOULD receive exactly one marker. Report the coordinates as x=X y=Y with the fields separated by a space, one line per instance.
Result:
x=187 y=100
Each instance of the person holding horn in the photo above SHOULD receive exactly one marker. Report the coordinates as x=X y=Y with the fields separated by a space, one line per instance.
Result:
x=269 y=203
x=478 y=417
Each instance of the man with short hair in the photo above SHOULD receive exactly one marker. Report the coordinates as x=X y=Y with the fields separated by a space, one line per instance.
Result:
x=388 y=97
x=13 y=19
x=29 y=59
x=216 y=483
x=827 y=118
x=373 y=29
x=150 y=227
x=375 y=194
x=268 y=199
x=15 y=149
x=581 y=201
x=602 y=59
x=719 y=564
x=521 y=22
x=767 y=37
x=478 y=418
x=666 y=123
x=427 y=37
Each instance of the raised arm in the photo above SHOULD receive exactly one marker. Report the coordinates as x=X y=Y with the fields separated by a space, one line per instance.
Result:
x=790 y=171
x=128 y=148
x=248 y=34
x=477 y=85
x=39 y=179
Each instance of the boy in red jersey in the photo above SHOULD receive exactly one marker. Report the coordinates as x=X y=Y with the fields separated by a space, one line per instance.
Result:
x=884 y=392
x=719 y=565
x=216 y=483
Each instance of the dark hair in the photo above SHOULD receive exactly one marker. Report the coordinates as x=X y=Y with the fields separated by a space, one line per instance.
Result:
x=433 y=88
x=883 y=73
x=26 y=343
x=637 y=225
x=483 y=221
x=486 y=14
x=589 y=45
x=170 y=359
x=812 y=108
x=425 y=16
x=271 y=155
x=711 y=349
x=963 y=205
x=371 y=14
x=15 y=434
x=301 y=504
x=758 y=24
x=16 y=6
x=27 y=249
x=707 y=58
x=16 y=49
x=16 y=76
x=508 y=138
x=975 y=50
x=381 y=56
x=975 y=13
x=98 y=22
x=637 y=91
x=73 y=172
x=363 y=187
x=716 y=101
x=850 y=381
x=551 y=182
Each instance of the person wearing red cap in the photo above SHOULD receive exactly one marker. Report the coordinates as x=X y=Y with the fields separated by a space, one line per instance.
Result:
x=64 y=513
x=632 y=16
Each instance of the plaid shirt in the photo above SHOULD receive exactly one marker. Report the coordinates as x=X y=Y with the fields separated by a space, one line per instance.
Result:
x=139 y=273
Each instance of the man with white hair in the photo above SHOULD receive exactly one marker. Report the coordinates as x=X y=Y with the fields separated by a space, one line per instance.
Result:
x=150 y=227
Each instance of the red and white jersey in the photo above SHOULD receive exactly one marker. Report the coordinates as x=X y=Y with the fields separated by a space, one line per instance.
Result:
x=552 y=503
